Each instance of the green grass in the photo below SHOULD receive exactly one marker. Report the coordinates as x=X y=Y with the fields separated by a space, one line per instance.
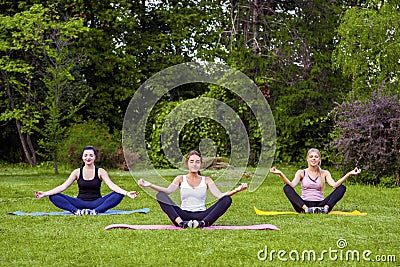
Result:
x=82 y=241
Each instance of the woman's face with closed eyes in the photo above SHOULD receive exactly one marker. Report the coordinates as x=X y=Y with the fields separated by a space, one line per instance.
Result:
x=88 y=156
x=313 y=158
x=194 y=163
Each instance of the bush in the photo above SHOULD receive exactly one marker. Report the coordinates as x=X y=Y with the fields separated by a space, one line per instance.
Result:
x=93 y=134
x=389 y=182
x=190 y=136
x=368 y=135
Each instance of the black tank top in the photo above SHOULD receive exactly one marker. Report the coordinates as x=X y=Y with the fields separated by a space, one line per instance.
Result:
x=89 y=189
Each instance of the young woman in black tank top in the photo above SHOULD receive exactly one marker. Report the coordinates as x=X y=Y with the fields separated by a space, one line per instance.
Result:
x=89 y=200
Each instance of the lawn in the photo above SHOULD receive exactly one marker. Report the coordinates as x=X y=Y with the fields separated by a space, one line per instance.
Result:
x=82 y=241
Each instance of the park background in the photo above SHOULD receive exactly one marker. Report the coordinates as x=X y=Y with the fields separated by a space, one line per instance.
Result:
x=328 y=69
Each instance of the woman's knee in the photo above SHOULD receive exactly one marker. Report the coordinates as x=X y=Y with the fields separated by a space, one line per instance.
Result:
x=113 y=196
x=54 y=197
x=117 y=196
x=161 y=196
x=287 y=188
x=227 y=200
x=341 y=188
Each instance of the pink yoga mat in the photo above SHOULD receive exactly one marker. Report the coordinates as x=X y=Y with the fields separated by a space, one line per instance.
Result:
x=214 y=227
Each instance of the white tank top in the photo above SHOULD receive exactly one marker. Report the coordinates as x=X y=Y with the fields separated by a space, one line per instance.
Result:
x=193 y=198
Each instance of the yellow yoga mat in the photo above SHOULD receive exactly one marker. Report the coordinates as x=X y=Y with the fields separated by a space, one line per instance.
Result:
x=337 y=212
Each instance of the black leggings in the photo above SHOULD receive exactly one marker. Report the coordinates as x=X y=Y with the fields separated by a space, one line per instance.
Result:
x=209 y=216
x=298 y=202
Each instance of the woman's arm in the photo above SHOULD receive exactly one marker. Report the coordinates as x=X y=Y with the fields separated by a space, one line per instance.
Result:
x=170 y=189
x=293 y=183
x=104 y=176
x=218 y=194
x=334 y=184
x=72 y=177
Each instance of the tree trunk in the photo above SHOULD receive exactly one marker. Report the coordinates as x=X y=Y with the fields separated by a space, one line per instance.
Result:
x=26 y=142
x=56 y=166
x=27 y=146
x=255 y=26
x=31 y=149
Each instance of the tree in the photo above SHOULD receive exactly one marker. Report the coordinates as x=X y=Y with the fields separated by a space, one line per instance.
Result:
x=368 y=47
x=64 y=96
x=286 y=48
x=129 y=41
x=17 y=69
x=43 y=36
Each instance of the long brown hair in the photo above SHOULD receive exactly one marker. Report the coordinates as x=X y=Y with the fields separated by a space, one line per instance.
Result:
x=320 y=171
x=191 y=153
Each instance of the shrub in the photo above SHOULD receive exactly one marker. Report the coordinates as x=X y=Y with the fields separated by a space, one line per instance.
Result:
x=97 y=135
x=368 y=136
x=190 y=136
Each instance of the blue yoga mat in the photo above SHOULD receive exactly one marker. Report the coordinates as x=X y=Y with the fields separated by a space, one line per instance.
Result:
x=62 y=213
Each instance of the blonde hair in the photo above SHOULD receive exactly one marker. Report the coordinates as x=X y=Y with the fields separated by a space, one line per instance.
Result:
x=320 y=170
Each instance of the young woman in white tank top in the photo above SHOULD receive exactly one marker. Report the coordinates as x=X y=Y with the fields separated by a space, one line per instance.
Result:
x=193 y=188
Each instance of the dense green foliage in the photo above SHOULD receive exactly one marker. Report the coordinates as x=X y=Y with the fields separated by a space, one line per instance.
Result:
x=94 y=134
x=305 y=57
x=286 y=47
x=38 y=74
x=368 y=47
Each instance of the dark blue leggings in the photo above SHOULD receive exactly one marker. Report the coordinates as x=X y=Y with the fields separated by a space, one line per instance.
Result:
x=298 y=202
x=209 y=216
x=73 y=204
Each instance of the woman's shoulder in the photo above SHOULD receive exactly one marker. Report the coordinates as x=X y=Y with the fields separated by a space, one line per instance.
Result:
x=301 y=173
x=208 y=180
x=75 y=173
x=99 y=169
x=178 y=179
x=325 y=172
x=101 y=172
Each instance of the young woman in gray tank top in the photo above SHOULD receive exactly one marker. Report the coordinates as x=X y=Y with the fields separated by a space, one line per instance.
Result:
x=312 y=182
